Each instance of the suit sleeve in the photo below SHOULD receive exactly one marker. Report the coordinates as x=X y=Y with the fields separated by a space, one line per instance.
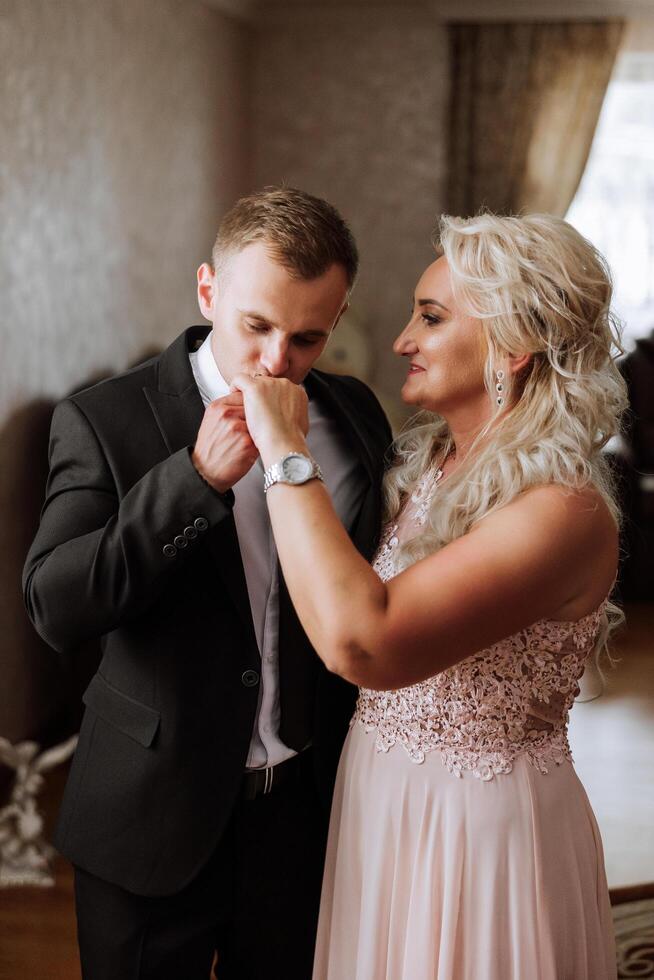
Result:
x=373 y=407
x=98 y=560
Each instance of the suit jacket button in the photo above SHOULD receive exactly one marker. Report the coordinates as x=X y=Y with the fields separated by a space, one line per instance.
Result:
x=190 y=532
x=180 y=541
x=169 y=550
x=250 y=678
x=201 y=523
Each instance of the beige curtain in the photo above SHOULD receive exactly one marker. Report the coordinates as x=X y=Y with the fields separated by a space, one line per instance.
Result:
x=525 y=103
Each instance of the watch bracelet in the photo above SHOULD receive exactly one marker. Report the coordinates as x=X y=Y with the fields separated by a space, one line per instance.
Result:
x=274 y=474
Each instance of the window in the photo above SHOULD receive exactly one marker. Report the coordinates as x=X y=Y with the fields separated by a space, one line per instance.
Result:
x=614 y=206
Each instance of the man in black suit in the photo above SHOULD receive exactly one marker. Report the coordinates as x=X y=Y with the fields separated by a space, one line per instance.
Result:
x=196 y=808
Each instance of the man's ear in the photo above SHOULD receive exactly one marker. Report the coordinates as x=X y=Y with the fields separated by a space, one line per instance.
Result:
x=206 y=290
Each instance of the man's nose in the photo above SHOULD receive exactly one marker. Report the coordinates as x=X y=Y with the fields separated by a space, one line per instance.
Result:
x=275 y=359
x=405 y=343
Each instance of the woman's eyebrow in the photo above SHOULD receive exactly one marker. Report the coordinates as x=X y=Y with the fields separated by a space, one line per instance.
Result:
x=433 y=302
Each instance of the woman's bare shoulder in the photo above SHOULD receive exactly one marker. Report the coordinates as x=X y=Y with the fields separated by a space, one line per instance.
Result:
x=576 y=524
x=584 y=508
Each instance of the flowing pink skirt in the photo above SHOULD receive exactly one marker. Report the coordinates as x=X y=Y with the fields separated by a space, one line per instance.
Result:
x=430 y=877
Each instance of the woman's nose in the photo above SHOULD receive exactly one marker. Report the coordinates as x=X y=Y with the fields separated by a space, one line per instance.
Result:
x=405 y=343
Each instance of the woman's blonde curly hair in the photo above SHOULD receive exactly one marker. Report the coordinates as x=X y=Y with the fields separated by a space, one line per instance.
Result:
x=538 y=287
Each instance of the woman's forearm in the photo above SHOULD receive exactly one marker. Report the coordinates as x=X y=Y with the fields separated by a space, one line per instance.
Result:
x=338 y=597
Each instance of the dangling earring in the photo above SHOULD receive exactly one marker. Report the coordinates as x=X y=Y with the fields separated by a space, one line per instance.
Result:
x=499 y=388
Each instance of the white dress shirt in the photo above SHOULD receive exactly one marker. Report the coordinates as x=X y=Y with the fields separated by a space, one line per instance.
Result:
x=344 y=480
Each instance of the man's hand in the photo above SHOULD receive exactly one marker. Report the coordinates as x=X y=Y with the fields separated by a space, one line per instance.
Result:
x=224 y=451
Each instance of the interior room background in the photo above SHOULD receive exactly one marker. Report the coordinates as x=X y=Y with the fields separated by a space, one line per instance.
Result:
x=128 y=128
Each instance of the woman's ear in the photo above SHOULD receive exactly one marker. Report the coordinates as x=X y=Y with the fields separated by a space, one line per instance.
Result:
x=518 y=362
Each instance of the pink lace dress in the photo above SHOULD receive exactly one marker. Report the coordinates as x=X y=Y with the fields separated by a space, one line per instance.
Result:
x=462 y=845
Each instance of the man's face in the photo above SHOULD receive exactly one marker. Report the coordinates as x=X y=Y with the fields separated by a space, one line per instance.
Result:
x=264 y=320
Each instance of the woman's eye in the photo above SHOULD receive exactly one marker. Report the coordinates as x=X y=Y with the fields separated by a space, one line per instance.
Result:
x=431 y=319
x=257 y=327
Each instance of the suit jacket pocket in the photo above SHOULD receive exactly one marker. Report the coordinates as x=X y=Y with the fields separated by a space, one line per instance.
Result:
x=133 y=718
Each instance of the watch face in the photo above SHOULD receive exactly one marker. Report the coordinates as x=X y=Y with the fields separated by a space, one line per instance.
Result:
x=296 y=468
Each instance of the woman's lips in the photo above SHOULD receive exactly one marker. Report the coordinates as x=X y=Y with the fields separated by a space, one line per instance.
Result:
x=415 y=369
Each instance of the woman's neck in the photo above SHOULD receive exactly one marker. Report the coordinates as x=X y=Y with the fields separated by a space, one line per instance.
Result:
x=465 y=438
x=461 y=443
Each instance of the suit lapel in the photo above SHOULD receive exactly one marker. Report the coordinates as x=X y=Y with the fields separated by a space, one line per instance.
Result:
x=178 y=415
x=368 y=442
x=349 y=418
x=178 y=410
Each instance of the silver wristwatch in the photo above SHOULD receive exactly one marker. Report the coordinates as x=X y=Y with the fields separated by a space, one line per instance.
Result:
x=292 y=468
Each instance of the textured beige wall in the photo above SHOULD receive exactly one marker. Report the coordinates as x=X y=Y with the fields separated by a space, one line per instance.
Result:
x=123 y=136
x=122 y=140
x=351 y=104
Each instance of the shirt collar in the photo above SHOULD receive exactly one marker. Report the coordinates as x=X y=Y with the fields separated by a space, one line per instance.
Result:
x=210 y=379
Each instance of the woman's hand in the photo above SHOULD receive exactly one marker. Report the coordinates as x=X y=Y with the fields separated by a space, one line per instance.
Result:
x=276 y=413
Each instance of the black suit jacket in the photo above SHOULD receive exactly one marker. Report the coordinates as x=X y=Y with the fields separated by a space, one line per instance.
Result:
x=169 y=715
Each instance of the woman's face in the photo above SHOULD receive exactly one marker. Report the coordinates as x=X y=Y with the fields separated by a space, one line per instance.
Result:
x=446 y=352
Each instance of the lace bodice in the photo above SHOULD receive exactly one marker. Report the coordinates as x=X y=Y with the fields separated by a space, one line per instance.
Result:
x=510 y=699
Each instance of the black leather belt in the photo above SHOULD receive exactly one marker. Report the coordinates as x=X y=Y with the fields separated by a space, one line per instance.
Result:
x=260 y=782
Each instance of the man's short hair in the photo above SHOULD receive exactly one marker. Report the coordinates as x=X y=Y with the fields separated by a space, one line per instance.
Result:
x=306 y=235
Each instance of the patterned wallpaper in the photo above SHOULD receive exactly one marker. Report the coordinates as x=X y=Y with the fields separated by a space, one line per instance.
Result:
x=122 y=141
x=123 y=138
x=351 y=105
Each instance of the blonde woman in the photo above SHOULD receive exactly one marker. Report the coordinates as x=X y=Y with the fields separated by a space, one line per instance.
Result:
x=462 y=844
